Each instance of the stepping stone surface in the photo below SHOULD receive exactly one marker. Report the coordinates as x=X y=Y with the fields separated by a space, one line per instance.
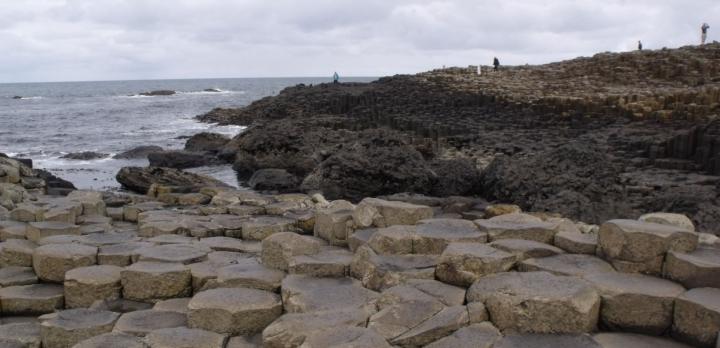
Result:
x=567 y=264
x=52 y=261
x=85 y=285
x=31 y=299
x=112 y=340
x=306 y=294
x=14 y=275
x=182 y=337
x=236 y=311
x=696 y=318
x=462 y=264
x=66 y=328
x=696 y=269
x=140 y=323
x=150 y=281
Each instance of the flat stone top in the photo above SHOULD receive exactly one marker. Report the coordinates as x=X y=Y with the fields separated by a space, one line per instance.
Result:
x=249 y=268
x=112 y=340
x=172 y=239
x=524 y=246
x=66 y=250
x=109 y=238
x=448 y=228
x=393 y=204
x=327 y=293
x=156 y=267
x=345 y=336
x=61 y=239
x=52 y=225
x=10 y=272
x=635 y=226
x=234 y=299
x=173 y=252
x=400 y=262
x=34 y=291
x=611 y=283
x=672 y=219
x=19 y=245
x=536 y=285
x=183 y=337
x=702 y=256
x=123 y=248
x=266 y=220
x=20 y=330
x=516 y=217
x=630 y=340
x=80 y=318
x=706 y=297
x=546 y=341
x=174 y=305
x=570 y=264
x=231 y=244
x=489 y=225
x=149 y=319
x=478 y=250
x=102 y=274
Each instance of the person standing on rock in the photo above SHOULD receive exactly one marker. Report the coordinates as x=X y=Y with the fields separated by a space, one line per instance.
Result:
x=496 y=64
x=703 y=31
x=336 y=77
x=639 y=45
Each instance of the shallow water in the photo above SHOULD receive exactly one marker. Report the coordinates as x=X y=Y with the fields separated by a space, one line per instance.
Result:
x=54 y=119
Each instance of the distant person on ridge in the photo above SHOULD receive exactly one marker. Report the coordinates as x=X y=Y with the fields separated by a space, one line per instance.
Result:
x=639 y=45
x=336 y=77
x=496 y=64
x=704 y=29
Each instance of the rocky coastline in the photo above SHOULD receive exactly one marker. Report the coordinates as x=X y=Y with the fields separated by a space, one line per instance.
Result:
x=572 y=204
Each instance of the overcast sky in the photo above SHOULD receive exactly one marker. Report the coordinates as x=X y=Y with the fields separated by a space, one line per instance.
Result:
x=69 y=40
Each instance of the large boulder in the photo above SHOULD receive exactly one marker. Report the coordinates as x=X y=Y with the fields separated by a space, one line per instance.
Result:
x=138 y=152
x=273 y=179
x=181 y=159
x=139 y=179
x=206 y=142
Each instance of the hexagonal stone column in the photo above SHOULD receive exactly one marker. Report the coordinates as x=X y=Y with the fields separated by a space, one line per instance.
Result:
x=140 y=323
x=31 y=299
x=567 y=264
x=111 y=340
x=538 y=302
x=236 y=311
x=481 y=335
x=51 y=261
x=381 y=213
x=576 y=243
x=182 y=337
x=334 y=225
x=696 y=269
x=280 y=248
x=26 y=334
x=677 y=220
x=635 y=302
x=261 y=227
x=17 y=252
x=623 y=340
x=463 y=263
x=66 y=328
x=434 y=235
x=639 y=247
x=538 y=231
x=696 y=319
x=174 y=253
x=40 y=230
x=151 y=281
x=307 y=294
x=13 y=275
x=345 y=336
x=525 y=249
x=85 y=285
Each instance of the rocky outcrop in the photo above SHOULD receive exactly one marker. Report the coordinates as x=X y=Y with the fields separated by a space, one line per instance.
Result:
x=206 y=142
x=139 y=179
x=161 y=92
x=85 y=156
x=138 y=152
x=180 y=159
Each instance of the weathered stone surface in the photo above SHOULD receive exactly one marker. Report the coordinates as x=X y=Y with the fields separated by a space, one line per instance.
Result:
x=329 y=262
x=538 y=302
x=85 y=285
x=31 y=299
x=677 y=220
x=526 y=249
x=150 y=281
x=12 y=230
x=261 y=227
x=696 y=318
x=237 y=311
x=477 y=312
x=576 y=243
x=14 y=275
x=440 y=325
x=181 y=337
x=174 y=253
x=231 y=244
x=434 y=235
x=249 y=273
x=120 y=305
x=132 y=212
x=110 y=238
x=27 y=213
x=394 y=240
x=279 y=249
x=379 y=272
x=482 y=335
x=140 y=323
x=395 y=319
x=27 y=334
x=462 y=264
x=66 y=328
x=546 y=341
x=305 y=294
x=539 y=231
x=172 y=239
x=40 y=230
x=636 y=246
x=345 y=336
x=290 y=330
x=173 y=305
x=335 y=225
x=360 y=238
x=381 y=213
x=112 y=340
x=119 y=254
x=635 y=302
x=51 y=261
x=17 y=252
x=696 y=269
x=567 y=264
x=501 y=209
x=623 y=340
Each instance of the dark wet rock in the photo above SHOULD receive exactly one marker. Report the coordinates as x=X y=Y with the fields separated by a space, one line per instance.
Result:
x=274 y=180
x=54 y=183
x=17 y=97
x=210 y=142
x=180 y=159
x=214 y=90
x=157 y=93
x=138 y=152
x=85 y=156
x=139 y=179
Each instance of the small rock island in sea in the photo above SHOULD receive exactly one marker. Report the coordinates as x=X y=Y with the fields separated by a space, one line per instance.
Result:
x=572 y=204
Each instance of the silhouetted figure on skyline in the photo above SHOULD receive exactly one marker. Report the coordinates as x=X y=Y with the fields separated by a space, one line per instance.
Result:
x=336 y=77
x=703 y=35
x=639 y=45
x=496 y=64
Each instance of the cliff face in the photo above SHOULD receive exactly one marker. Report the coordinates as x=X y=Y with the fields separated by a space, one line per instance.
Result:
x=650 y=114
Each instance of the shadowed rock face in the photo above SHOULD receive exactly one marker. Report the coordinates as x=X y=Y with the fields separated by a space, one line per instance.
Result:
x=139 y=179
x=614 y=135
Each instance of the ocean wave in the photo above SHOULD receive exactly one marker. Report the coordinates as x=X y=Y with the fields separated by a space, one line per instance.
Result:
x=26 y=98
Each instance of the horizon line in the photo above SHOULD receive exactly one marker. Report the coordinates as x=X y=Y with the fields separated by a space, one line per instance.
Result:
x=192 y=78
